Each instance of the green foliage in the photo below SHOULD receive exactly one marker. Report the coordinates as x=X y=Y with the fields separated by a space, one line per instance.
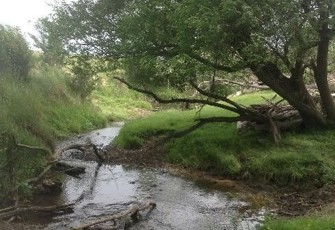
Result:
x=15 y=56
x=85 y=78
x=169 y=43
x=311 y=222
x=49 y=42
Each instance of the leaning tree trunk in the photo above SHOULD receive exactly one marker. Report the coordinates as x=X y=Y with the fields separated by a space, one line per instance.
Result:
x=321 y=68
x=293 y=91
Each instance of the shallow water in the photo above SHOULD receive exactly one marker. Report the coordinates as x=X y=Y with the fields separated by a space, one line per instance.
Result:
x=181 y=204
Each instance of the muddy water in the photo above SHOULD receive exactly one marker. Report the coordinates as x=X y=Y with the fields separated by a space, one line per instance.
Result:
x=181 y=204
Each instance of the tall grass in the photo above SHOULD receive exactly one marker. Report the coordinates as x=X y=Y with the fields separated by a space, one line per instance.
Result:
x=35 y=113
x=117 y=102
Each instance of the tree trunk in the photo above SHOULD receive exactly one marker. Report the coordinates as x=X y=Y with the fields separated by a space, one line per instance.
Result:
x=321 y=69
x=293 y=91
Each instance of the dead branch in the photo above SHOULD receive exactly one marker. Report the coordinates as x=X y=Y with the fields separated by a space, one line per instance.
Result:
x=274 y=128
x=7 y=209
x=200 y=123
x=34 y=148
x=15 y=211
x=70 y=170
x=130 y=212
x=40 y=176
x=57 y=153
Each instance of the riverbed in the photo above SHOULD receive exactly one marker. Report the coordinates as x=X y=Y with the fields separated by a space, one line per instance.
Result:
x=106 y=189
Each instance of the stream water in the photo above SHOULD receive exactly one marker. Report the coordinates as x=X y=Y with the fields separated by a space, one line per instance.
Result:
x=181 y=204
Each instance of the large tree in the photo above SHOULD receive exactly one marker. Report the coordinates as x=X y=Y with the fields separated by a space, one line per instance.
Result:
x=280 y=42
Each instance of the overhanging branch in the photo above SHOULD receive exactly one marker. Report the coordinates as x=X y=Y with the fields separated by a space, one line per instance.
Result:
x=200 y=123
x=229 y=69
x=179 y=100
x=239 y=107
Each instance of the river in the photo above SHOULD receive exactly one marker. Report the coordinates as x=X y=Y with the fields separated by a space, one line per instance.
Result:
x=181 y=204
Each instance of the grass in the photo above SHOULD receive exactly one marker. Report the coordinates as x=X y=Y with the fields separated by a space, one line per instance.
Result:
x=117 y=102
x=36 y=113
x=306 y=158
x=314 y=222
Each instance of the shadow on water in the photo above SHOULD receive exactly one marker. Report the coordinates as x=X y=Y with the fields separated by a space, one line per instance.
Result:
x=107 y=189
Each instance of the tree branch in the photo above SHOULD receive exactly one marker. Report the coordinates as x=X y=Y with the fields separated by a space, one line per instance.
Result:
x=33 y=148
x=13 y=211
x=200 y=123
x=284 y=58
x=179 y=100
x=230 y=69
x=245 y=85
x=241 y=109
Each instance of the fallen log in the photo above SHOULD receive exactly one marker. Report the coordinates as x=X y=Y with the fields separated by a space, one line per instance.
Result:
x=131 y=212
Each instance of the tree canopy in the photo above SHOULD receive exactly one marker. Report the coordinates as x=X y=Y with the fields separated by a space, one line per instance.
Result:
x=279 y=42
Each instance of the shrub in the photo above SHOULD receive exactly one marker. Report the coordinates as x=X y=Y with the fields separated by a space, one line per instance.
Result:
x=15 y=56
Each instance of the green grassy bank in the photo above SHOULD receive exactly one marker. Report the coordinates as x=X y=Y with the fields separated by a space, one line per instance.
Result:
x=312 y=222
x=306 y=158
x=117 y=102
x=302 y=158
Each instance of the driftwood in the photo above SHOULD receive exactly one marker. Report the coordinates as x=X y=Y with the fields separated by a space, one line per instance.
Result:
x=131 y=212
x=68 y=169
x=15 y=211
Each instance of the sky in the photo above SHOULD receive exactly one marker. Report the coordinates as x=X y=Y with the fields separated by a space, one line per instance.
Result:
x=23 y=13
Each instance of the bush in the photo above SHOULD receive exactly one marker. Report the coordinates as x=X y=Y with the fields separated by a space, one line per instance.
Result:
x=15 y=56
